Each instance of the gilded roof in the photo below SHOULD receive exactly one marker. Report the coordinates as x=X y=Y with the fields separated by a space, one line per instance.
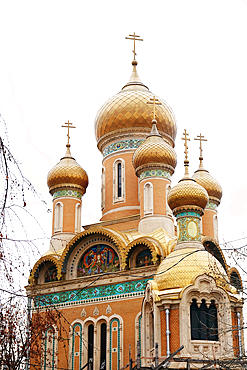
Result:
x=154 y=150
x=67 y=173
x=129 y=110
x=182 y=266
x=204 y=179
x=187 y=193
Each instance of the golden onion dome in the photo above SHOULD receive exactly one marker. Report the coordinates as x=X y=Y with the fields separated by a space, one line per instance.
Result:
x=187 y=193
x=213 y=188
x=154 y=150
x=127 y=112
x=67 y=174
x=182 y=266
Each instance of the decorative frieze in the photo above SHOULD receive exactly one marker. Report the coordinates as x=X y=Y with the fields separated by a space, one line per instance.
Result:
x=67 y=193
x=120 y=145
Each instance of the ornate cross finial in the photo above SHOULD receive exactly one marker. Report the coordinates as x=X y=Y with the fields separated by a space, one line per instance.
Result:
x=186 y=138
x=68 y=125
x=135 y=38
x=201 y=138
x=154 y=101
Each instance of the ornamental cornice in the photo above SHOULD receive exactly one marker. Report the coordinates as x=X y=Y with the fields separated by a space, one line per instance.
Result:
x=187 y=208
x=165 y=169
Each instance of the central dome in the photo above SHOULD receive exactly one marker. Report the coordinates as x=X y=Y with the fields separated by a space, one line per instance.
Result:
x=128 y=112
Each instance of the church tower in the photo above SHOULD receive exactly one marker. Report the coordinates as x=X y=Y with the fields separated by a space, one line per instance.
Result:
x=67 y=182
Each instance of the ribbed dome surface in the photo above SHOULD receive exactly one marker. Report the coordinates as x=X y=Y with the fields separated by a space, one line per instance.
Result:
x=67 y=173
x=187 y=192
x=182 y=266
x=129 y=110
x=154 y=150
x=211 y=185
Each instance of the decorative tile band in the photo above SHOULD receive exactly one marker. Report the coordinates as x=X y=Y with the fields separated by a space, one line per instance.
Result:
x=188 y=229
x=155 y=173
x=211 y=205
x=186 y=214
x=120 y=145
x=67 y=193
x=95 y=294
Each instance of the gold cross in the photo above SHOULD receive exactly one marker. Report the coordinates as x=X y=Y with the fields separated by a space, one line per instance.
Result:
x=134 y=37
x=201 y=138
x=185 y=138
x=154 y=101
x=68 y=125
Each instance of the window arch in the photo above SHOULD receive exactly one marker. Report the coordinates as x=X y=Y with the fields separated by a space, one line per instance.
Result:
x=78 y=218
x=215 y=225
x=58 y=217
x=168 y=209
x=203 y=320
x=148 y=199
x=118 y=181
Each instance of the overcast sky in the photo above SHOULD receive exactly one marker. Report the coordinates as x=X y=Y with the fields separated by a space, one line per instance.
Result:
x=61 y=60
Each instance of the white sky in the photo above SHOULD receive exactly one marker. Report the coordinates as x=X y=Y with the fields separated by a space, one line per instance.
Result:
x=62 y=60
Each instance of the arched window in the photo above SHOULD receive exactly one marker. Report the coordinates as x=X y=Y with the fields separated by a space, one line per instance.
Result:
x=78 y=218
x=118 y=180
x=103 y=188
x=168 y=209
x=77 y=346
x=148 y=199
x=90 y=349
x=103 y=346
x=139 y=256
x=203 y=320
x=49 y=354
x=58 y=217
x=215 y=223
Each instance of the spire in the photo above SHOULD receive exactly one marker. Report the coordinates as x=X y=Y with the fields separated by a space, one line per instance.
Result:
x=68 y=125
x=186 y=161
x=201 y=138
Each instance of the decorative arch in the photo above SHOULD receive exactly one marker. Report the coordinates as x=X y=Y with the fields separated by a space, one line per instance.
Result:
x=151 y=245
x=58 y=217
x=213 y=248
x=77 y=218
x=148 y=199
x=50 y=343
x=204 y=294
x=235 y=279
x=116 y=238
x=33 y=279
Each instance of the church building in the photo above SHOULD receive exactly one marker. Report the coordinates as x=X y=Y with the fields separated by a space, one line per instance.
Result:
x=150 y=276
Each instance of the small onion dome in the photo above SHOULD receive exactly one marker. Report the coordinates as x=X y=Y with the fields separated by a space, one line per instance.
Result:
x=127 y=112
x=187 y=194
x=154 y=152
x=181 y=267
x=211 y=185
x=67 y=174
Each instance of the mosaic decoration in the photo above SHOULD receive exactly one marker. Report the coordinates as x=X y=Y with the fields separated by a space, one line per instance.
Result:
x=211 y=205
x=99 y=258
x=93 y=294
x=120 y=145
x=144 y=258
x=77 y=333
x=155 y=173
x=188 y=229
x=118 y=343
x=51 y=274
x=67 y=193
